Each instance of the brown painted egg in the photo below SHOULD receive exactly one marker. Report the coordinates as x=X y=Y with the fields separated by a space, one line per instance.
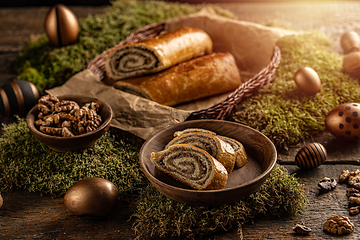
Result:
x=17 y=98
x=350 y=41
x=344 y=121
x=311 y=156
x=92 y=196
x=61 y=26
x=307 y=80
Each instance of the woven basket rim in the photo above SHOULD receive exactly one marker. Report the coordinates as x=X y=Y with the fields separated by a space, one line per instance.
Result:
x=221 y=110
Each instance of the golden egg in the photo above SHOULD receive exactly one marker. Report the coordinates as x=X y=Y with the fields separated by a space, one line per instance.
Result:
x=307 y=80
x=311 y=156
x=17 y=98
x=91 y=196
x=61 y=26
x=350 y=41
x=344 y=121
x=351 y=63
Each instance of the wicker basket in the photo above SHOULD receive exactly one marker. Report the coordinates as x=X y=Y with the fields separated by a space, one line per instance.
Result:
x=221 y=110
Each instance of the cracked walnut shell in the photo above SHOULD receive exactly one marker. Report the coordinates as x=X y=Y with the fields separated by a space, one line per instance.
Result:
x=338 y=225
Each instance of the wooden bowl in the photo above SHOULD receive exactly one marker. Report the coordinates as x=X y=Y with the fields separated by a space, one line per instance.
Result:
x=241 y=183
x=77 y=142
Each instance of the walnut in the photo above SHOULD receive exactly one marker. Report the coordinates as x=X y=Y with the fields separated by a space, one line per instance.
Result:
x=344 y=175
x=350 y=177
x=354 y=177
x=51 y=130
x=66 y=118
x=301 y=229
x=351 y=191
x=338 y=225
x=46 y=104
x=327 y=184
x=65 y=106
x=354 y=210
x=355 y=198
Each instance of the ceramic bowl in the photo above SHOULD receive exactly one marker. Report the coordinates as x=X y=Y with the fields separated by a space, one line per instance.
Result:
x=241 y=183
x=77 y=142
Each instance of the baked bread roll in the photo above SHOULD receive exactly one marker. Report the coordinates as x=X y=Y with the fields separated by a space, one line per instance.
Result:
x=217 y=148
x=191 y=130
x=192 y=166
x=240 y=153
x=158 y=53
x=201 y=77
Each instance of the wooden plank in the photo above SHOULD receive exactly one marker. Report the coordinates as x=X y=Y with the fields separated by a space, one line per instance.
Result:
x=27 y=215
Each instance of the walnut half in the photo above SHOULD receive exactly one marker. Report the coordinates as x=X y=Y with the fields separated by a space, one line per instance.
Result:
x=338 y=225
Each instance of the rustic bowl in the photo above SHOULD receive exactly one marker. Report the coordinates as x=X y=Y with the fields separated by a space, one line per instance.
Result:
x=78 y=142
x=241 y=183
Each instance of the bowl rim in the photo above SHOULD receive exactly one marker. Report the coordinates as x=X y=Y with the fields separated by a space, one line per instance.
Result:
x=259 y=178
x=104 y=124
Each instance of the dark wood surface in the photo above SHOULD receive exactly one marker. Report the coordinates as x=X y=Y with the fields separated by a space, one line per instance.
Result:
x=26 y=215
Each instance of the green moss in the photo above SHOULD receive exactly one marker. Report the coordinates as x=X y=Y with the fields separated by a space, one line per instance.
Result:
x=285 y=114
x=25 y=163
x=157 y=215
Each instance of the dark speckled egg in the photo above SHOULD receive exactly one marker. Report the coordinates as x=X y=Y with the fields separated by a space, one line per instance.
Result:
x=17 y=98
x=61 y=26
x=311 y=156
x=344 y=121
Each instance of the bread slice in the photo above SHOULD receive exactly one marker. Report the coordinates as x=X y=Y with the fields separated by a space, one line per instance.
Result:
x=192 y=166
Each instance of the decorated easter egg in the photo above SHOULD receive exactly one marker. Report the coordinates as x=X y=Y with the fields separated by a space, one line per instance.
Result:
x=311 y=156
x=91 y=196
x=307 y=80
x=61 y=26
x=350 y=41
x=344 y=121
x=17 y=98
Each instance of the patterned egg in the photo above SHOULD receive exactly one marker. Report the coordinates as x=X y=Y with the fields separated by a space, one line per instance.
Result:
x=61 y=26
x=344 y=121
x=17 y=98
x=311 y=156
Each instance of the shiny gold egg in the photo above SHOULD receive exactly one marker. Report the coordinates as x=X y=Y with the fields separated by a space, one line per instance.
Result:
x=18 y=97
x=311 y=156
x=61 y=26
x=307 y=80
x=91 y=196
x=351 y=63
x=350 y=41
x=344 y=121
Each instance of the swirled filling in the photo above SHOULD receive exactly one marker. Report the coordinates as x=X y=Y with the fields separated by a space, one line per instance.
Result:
x=202 y=141
x=129 y=59
x=187 y=164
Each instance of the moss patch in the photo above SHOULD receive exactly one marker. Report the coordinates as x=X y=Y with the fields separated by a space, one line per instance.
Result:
x=157 y=215
x=285 y=114
x=25 y=163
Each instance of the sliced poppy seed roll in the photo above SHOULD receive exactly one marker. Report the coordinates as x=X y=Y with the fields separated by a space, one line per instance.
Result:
x=192 y=166
x=217 y=148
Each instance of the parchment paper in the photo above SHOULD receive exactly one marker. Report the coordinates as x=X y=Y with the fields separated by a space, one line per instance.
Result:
x=251 y=44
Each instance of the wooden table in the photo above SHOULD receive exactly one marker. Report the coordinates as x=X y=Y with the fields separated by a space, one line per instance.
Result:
x=27 y=215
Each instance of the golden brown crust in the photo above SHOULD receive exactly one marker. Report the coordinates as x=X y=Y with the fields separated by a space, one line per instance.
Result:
x=240 y=154
x=201 y=77
x=158 y=53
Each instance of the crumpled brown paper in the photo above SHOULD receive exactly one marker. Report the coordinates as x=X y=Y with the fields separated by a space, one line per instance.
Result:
x=251 y=44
